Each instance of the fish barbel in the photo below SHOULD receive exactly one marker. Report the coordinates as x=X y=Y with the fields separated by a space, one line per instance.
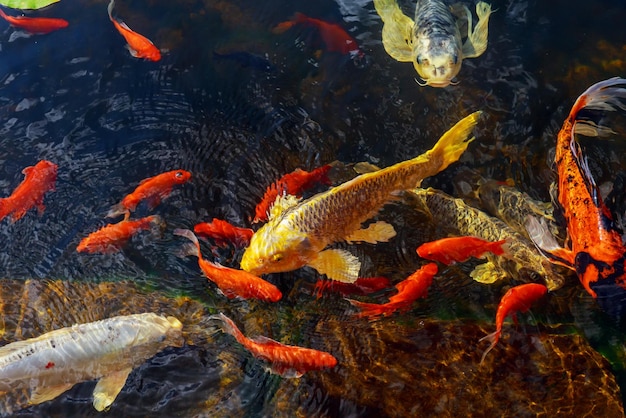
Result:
x=298 y=231
x=107 y=350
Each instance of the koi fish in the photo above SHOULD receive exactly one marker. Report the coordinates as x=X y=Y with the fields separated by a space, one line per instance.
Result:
x=232 y=283
x=596 y=251
x=334 y=36
x=294 y=183
x=38 y=180
x=223 y=233
x=409 y=290
x=285 y=360
x=36 y=25
x=433 y=42
x=362 y=286
x=138 y=45
x=522 y=260
x=516 y=299
x=459 y=249
x=298 y=231
x=106 y=350
x=110 y=238
x=152 y=189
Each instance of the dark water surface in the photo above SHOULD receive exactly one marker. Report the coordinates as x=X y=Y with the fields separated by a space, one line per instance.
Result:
x=239 y=106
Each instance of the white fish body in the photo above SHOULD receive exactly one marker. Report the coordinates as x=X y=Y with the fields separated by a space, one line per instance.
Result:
x=107 y=350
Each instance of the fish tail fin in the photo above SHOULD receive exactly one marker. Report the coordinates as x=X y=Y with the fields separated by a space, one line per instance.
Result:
x=454 y=142
x=228 y=325
x=117 y=210
x=192 y=248
x=500 y=247
x=369 y=310
x=604 y=95
x=110 y=9
x=493 y=339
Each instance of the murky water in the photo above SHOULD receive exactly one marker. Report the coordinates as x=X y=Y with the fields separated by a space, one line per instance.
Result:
x=239 y=106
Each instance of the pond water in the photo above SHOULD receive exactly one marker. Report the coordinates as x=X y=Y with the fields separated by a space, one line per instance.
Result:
x=238 y=106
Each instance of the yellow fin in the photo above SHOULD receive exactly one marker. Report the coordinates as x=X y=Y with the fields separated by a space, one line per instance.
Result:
x=487 y=273
x=365 y=167
x=476 y=42
x=48 y=393
x=454 y=142
x=338 y=265
x=397 y=30
x=377 y=232
x=108 y=388
x=282 y=203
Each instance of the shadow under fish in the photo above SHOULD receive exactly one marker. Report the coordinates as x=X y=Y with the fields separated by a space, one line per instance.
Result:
x=247 y=60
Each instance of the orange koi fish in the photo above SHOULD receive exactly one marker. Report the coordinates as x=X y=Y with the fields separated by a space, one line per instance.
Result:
x=231 y=282
x=110 y=238
x=38 y=180
x=285 y=360
x=516 y=299
x=224 y=233
x=294 y=183
x=152 y=189
x=595 y=244
x=459 y=249
x=36 y=25
x=362 y=286
x=409 y=290
x=138 y=45
x=334 y=36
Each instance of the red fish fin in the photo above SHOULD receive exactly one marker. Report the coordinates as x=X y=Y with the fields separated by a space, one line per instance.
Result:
x=228 y=326
x=283 y=27
x=321 y=174
x=371 y=309
x=499 y=247
x=117 y=210
x=41 y=208
x=26 y=171
x=155 y=201
x=18 y=214
x=493 y=339
x=266 y=341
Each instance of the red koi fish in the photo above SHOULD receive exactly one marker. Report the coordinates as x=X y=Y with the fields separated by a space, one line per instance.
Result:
x=231 y=282
x=152 y=189
x=110 y=238
x=285 y=360
x=138 y=45
x=224 y=233
x=294 y=183
x=409 y=290
x=459 y=249
x=595 y=248
x=516 y=299
x=362 y=286
x=334 y=36
x=36 y=25
x=38 y=180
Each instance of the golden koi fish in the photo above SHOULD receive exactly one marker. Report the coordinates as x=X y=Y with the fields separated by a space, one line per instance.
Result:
x=462 y=219
x=433 y=42
x=107 y=350
x=298 y=232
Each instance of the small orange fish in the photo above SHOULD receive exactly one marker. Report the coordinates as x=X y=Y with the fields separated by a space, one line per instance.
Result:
x=334 y=36
x=37 y=25
x=294 y=183
x=224 y=233
x=152 y=189
x=285 y=360
x=231 y=282
x=38 y=180
x=459 y=249
x=409 y=290
x=362 y=286
x=138 y=45
x=110 y=238
x=516 y=299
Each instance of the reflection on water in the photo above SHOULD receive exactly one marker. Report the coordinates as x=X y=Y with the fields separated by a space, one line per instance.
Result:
x=239 y=106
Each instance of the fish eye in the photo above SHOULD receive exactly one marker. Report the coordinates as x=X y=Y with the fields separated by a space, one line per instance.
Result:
x=179 y=175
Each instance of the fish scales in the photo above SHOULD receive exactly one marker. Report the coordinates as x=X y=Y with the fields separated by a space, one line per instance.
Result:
x=434 y=20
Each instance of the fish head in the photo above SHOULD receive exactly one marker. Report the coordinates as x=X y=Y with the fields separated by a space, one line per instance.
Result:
x=181 y=176
x=437 y=61
x=276 y=248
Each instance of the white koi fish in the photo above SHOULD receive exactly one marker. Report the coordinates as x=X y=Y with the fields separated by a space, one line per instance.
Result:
x=434 y=41
x=107 y=350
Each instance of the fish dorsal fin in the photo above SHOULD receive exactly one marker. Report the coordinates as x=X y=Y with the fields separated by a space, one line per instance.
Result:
x=47 y=393
x=266 y=341
x=26 y=171
x=108 y=388
x=282 y=203
x=337 y=264
x=377 y=232
x=365 y=167
x=487 y=273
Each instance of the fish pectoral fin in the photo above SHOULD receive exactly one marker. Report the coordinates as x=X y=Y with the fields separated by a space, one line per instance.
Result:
x=133 y=53
x=48 y=393
x=476 y=42
x=487 y=273
x=108 y=388
x=377 y=232
x=539 y=233
x=338 y=265
x=397 y=30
